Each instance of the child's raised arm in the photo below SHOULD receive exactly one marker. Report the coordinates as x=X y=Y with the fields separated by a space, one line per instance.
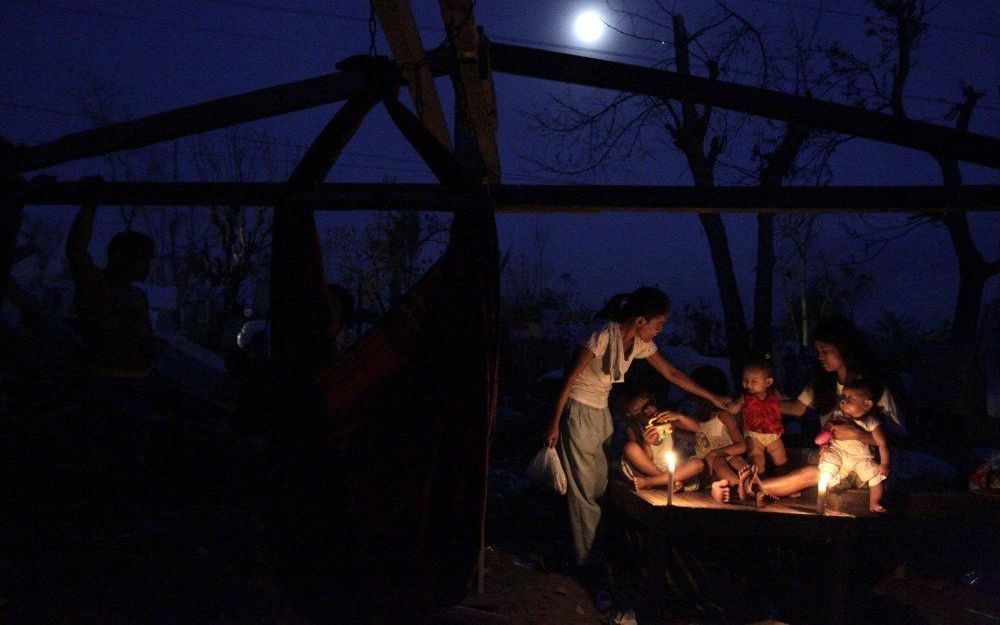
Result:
x=681 y=419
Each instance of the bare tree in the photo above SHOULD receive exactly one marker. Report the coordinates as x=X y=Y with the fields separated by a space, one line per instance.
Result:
x=41 y=239
x=629 y=127
x=103 y=102
x=900 y=27
x=385 y=259
x=236 y=246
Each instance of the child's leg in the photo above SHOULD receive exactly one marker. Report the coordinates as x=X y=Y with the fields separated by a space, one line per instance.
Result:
x=689 y=469
x=875 y=493
x=792 y=482
x=726 y=470
x=779 y=457
x=755 y=453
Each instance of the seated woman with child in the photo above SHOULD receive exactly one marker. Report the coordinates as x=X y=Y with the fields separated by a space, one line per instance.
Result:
x=859 y=415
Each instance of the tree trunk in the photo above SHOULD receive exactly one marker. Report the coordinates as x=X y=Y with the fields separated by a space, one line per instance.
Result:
x=732 y=306
x=763 y=302
x=972 y=276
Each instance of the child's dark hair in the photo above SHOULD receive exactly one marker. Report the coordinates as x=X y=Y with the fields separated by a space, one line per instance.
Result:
x=761 y=362
x=624 y=396
x=853 y=349
x=866 y=386
x=646 y=301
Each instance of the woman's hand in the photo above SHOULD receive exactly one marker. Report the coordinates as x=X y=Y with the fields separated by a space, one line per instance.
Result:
x=552 y=435
x=883 y=469
x=722 y=403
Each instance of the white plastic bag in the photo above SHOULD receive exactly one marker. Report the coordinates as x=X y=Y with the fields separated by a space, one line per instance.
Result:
x=546 y=470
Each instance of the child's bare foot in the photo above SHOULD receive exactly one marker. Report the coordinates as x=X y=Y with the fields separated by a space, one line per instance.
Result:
x=764 y=500
x=640 y=483
x=721 y=491
x=746 y=475
x=876 y=507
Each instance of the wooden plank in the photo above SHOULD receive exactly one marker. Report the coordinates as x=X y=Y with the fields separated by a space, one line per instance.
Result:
x=473 y=85
x=703 y=501
x=440 y=159
x=213 y=115
x=938 y=140
x=396 y=19
x=555 y=198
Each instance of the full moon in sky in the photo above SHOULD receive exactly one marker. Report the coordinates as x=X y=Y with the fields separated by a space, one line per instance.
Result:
x=588 y=26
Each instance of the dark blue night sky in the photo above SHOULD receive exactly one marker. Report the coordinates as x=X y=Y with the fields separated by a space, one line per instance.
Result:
x=161 y=55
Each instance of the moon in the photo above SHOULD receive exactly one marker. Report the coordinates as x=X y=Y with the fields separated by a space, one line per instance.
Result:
x=588 y=27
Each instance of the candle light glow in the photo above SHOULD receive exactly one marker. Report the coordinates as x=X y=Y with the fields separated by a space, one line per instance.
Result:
x=671 y=463
x=824 y=481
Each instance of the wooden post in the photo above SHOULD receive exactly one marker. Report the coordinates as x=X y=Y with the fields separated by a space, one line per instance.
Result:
x=300 y=306
x=473 y=84
x=11 y=213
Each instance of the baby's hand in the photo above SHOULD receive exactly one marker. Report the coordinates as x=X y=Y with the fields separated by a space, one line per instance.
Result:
x=651 y=436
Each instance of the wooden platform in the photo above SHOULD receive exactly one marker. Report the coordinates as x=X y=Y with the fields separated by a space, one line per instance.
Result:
x=737 y=559
x=805 y=505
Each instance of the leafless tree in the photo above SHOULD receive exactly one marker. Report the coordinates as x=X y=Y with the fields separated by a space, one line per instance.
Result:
x=900 y=27
x=238 y=241
x=104 y=102
x=386 y=258
x=42 y=240
x=592 y=136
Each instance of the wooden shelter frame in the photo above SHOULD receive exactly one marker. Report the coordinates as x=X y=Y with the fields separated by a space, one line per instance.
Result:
x=469 y=59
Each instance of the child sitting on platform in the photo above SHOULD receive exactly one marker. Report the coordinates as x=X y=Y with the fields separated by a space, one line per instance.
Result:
x=761 y=414
x=718 y=445
x=840 y=457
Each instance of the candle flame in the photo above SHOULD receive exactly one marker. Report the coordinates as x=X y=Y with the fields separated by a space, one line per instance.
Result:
x=824 y=481
x=671 y=460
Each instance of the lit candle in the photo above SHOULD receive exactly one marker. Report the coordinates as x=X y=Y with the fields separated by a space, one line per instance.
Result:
x=671 y=463
x=824 y=480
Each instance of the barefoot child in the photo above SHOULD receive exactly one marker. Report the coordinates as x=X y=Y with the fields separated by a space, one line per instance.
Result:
x=761 y=414
x=840 y=457
x=719 y=444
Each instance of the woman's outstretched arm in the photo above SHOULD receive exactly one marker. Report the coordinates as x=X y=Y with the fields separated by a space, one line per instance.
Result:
x=681 y=379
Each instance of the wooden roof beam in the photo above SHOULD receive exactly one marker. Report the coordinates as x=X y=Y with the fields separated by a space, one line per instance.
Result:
x=516 y=198
x=204 y=117
x=474 y=94
x=396 y=18
x=568 y=68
